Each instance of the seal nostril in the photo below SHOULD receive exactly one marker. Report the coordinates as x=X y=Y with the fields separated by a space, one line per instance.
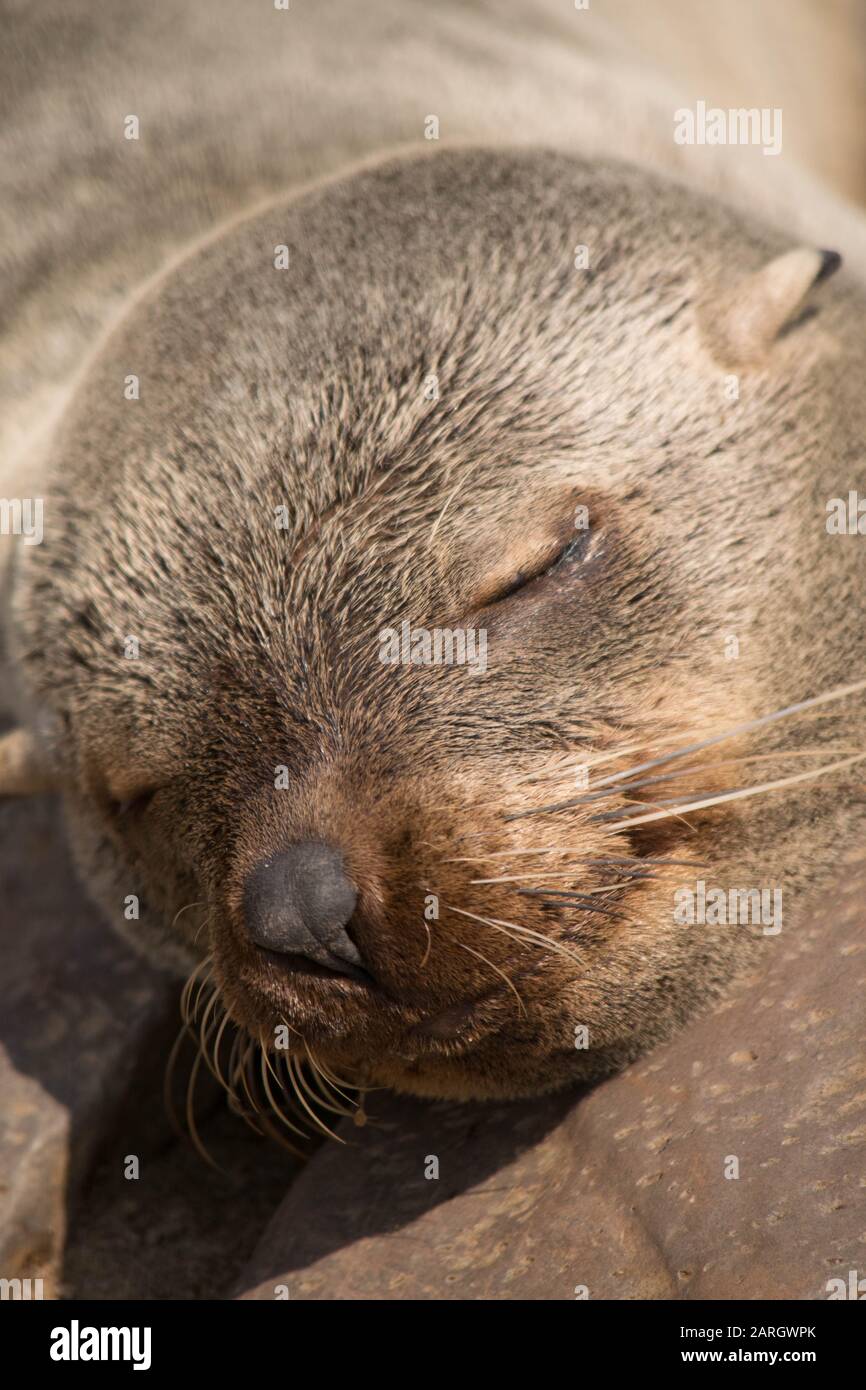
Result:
x=299 y=903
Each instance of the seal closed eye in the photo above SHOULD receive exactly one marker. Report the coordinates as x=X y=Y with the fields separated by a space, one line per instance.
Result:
x=573 y=550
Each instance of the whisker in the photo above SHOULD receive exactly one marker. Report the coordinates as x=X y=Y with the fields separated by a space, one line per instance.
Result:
x=168 y=1078
x=326 y=1095
x=338 y=1081
x=508 y=927
x=292 y=1064
x=216 y=1052
x=646 y=805
x=209 y=1007
x=190 y=1116
x=201 y=927
x=569 y=768
x=448 y=500
x=237 y=1058
x=234 y=1051
x=741 y=793
x=840 y=693
x=545 y=873
x=273 y=1133
x=242 y=1073
x=186 y=908
x=203 y=1041
x=186 y=992
x=499 y=972
x=266 y=1058
x=206 y=983
x=316 y=1098
x=571 y=900
x=303 y=1085
x=593 y=760
x=579 y=858
x=676 y=774
x=426 y=955
x=278 y=1111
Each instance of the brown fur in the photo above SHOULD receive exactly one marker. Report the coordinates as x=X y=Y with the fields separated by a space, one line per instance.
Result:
x=558 y=386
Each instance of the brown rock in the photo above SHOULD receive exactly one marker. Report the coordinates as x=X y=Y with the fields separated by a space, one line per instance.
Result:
x=77 y=1012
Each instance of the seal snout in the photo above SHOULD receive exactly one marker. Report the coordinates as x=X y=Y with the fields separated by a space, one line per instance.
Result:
x=299 y=903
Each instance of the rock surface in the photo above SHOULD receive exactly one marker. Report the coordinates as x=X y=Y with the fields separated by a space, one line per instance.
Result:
x=77 y=1013
x=622 y=1191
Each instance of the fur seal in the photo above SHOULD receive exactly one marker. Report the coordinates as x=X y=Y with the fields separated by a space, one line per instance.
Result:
x=401 y=397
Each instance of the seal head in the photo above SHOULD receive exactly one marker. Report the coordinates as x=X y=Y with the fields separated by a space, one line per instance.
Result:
x=577 y=422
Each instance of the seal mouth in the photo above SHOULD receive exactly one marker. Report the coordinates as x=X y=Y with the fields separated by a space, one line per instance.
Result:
x=323 y=1003
x=290 y=967
x=351 y=1011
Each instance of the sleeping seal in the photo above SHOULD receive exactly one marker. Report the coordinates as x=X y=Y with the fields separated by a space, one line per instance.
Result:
x=559 y=410
x=445 y=635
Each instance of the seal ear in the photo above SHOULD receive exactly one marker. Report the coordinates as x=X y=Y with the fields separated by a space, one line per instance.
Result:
x=22 y=771
x=741 y=324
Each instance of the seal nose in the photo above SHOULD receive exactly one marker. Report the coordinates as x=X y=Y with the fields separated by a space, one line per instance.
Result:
x=298 y=902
